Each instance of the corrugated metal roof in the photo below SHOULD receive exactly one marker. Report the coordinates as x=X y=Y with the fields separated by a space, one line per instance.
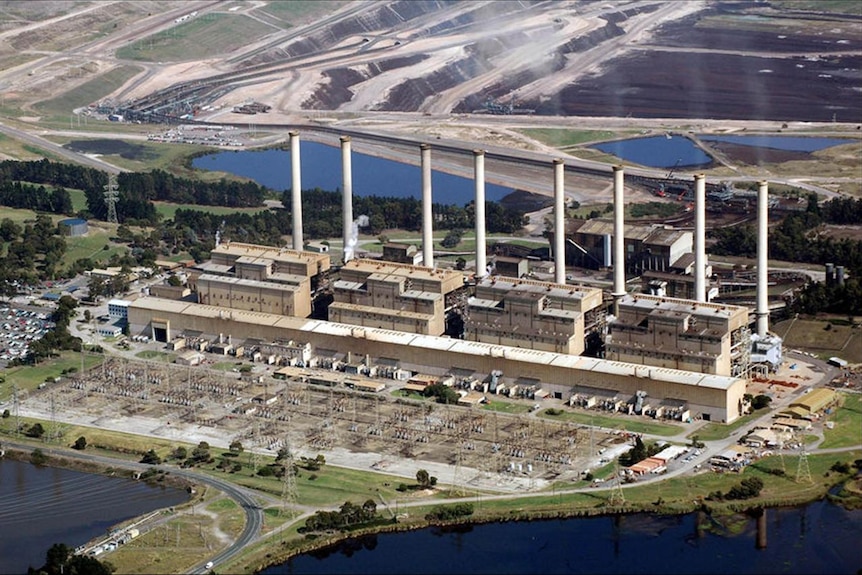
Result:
x=443 y=344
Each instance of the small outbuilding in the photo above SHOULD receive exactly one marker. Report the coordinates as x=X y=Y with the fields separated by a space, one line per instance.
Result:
x=189 y=358
x=73 y=227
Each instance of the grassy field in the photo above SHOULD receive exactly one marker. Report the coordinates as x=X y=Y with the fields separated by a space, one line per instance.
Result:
x=156 y=355
x=203 y=36
x=609 y=422
x=562 y=138
x=96 y=245
x=16 y=149
x=144 y=156
x=836 y=6
x=16 y=215
x=79 y=199
x=28 y=377
x=85 y=94
x=329 y=486
x=506 y=407
x=816 y=336
x=170 y=547
x=40 y=153
x=848 y=423
x=290 y=13
x=169 y=210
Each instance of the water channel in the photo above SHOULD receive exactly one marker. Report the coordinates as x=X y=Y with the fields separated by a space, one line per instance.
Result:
x=817 y=538
x=41 y=506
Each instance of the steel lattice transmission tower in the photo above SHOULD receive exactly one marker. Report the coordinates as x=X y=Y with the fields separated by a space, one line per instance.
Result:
x=288 y=486
x=617 y=497
x=803 y=473
x=112 y=196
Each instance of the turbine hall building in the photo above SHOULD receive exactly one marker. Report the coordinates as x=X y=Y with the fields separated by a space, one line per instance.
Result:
x=532 y=314
x=680 y=334
x=387 y=295
x=259 y=278
x=713 y=397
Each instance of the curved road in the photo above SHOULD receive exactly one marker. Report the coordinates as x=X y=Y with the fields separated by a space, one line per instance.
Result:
x=253 y=511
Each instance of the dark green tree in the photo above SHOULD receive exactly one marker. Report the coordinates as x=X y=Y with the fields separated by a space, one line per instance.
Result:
x=151 y=458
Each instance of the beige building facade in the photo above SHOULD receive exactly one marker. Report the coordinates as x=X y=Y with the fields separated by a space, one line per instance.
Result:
x=714 y=397
x=680 y=334
x=393 y=296
x=530 y=314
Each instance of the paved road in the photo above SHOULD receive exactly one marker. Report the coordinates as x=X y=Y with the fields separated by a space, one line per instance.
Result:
x=59 y=150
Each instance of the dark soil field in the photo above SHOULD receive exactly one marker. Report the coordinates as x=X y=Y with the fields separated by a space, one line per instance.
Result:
x=721 y=86
x=755 y=155
x=731 y=62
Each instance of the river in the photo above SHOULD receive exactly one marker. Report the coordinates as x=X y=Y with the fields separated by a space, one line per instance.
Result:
x=816 y=538
x=40 y=506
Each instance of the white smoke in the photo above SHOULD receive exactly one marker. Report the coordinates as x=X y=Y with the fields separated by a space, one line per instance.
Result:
x=353 y=241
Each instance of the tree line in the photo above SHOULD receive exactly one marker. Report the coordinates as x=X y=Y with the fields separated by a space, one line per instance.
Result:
x=29 y=252
x=138 y=190
x=322 y=214
x=31 y=197
x=800 y=238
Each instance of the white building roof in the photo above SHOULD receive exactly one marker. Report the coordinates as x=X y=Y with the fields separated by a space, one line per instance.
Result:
x=443 y=344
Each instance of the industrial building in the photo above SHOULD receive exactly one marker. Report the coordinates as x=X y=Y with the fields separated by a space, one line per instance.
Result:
x=389 y=295
x=811 y=405
x=402 y=253
x=263 y=262
x=666 y=357
x=254 y=295
x=680 y=334
x=259 y=278
x=511 y=267
x=647 y=247
x=532 y=314
x=712 y=397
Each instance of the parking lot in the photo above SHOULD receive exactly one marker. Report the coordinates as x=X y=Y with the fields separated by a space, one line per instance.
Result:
x=18 y=328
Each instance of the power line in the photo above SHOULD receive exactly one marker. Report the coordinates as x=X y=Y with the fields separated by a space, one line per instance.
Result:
x=803 y=472
x=112 y=196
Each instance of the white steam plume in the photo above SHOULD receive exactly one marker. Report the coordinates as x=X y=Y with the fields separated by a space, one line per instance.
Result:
x=350 y=248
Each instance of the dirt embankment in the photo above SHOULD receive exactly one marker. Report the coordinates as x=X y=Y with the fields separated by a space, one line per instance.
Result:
x=54 y=459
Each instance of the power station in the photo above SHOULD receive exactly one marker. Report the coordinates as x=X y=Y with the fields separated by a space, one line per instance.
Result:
x=685 y=352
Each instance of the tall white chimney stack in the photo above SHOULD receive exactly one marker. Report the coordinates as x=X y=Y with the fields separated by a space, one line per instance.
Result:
x=427 y=216
x=479 y=179
x=346 y=198
x=559 y=222
x=762 y=259
x=296 y=190
x=700 y=238
x=619 y=253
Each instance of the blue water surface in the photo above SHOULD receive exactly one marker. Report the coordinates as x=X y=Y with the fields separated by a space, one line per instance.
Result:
x=41 y=506
x=657 y=151
x=818 y=538
x=321 y=168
